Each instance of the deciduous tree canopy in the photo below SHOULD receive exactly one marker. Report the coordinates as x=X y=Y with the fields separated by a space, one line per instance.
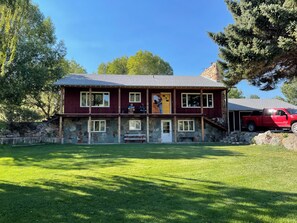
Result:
x=13 y=15
x=235 y=93
x=289 y=89
x=143 y=62
x=35 y=65
x=261 y=45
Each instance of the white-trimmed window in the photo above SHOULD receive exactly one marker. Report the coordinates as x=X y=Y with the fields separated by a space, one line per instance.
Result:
x=98 y=126
x=98 y=99
x=134 y=97
x=186 y=126
x=134 y=124
x=192 y=100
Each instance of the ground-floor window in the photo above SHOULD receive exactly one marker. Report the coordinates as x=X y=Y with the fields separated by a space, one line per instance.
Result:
x=134 y=124
x=98 y=125
x=186 y=126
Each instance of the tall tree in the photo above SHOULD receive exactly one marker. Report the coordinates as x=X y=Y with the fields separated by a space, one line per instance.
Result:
x=289 y=89
x=72 y=67
x=36 y=64
x=117 y=66
x=261 y=46
x=235 y=93
x=47 y=101
x=12 y=17
x=143 y=62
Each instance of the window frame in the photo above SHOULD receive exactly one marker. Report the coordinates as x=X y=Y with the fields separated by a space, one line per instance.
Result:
x=135 y=129
x=130 y=93
x=93 y=122
x=198 y=94
x=183 y=124
x=94 y=92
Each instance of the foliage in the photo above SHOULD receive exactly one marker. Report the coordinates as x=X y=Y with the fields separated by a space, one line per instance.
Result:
x=147 y=183
x=254 y=96
x=280 y=98
x=37 y=63
x=117 y=66
x=289 y=89
x=19 y=114
x=143 y=62
x=12 y=17
x=47 y=102
x=261 y=46
x=72 y=67
x=235 y=93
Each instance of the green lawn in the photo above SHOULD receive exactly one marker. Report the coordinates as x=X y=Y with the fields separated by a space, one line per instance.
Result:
x=147 y=183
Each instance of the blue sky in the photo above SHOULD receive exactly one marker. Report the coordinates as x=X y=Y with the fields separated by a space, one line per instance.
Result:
x=97 y=31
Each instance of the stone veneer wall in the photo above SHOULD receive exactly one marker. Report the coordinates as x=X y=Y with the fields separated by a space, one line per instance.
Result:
x=212 y=134
x=111 y=134
x=125 y=127
x=76 y=131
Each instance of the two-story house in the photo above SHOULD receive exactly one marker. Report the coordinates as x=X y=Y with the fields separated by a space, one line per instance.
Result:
x=162 y=108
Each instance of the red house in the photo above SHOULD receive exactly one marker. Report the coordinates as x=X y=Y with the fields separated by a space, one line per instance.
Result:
x=145 y=108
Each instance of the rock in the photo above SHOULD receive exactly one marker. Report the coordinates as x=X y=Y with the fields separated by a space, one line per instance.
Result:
x=263 y=138
x=290 y=142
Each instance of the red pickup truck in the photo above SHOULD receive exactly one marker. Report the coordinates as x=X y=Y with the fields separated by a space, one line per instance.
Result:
x=272 y=118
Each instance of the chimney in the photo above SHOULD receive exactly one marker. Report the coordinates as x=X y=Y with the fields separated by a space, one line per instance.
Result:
x=212 y=73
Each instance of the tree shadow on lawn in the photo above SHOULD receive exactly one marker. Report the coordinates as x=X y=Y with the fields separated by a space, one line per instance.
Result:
x=69 y=157
x=123 y=199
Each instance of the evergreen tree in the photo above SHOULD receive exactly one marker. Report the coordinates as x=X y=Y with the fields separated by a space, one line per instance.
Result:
x=261 y=46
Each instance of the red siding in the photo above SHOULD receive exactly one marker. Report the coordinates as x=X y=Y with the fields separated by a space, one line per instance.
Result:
x=72 y=101
x=125 y=99
x=216 y=111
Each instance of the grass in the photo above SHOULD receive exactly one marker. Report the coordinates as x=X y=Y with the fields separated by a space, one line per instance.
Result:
x=147 y=183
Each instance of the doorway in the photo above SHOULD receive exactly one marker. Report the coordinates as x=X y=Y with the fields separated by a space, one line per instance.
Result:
x=166 y=131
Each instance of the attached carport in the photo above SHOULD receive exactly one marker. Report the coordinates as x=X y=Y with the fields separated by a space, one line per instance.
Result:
x=242 y=107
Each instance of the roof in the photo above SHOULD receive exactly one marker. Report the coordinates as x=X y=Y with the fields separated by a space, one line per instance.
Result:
x=244 y=104
x=96 y=80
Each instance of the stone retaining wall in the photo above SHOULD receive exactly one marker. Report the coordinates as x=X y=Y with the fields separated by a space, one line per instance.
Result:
x=27 y=140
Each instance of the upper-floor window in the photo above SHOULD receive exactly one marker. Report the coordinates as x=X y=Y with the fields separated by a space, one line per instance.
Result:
x=98 y=99
x=98 y=126
x=192 y=100
x=186 y=126
x=134 y=97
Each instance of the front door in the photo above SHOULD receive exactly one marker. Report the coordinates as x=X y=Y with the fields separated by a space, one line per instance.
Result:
x=161 y=103
x=166 y=131
x=166 y=102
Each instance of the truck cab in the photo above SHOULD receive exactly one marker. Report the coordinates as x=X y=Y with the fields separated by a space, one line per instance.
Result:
x=272 y=118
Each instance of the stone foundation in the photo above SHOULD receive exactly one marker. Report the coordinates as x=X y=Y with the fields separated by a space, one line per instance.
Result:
x=76 y=131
